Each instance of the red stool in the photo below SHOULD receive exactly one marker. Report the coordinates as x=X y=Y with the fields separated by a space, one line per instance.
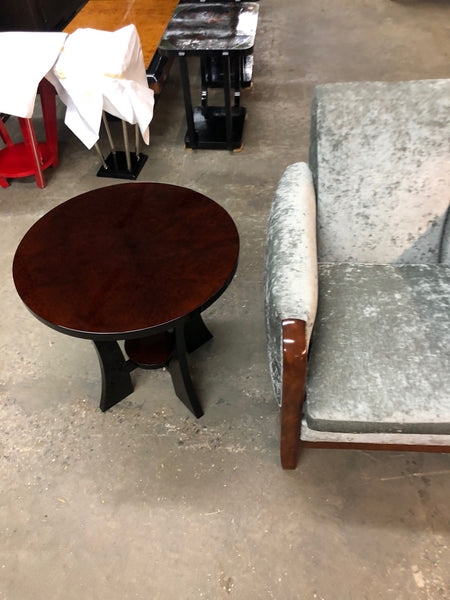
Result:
x=31 y=157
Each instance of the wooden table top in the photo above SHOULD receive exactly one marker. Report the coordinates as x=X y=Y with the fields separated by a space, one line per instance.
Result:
x=211 y=27
x=149 y=16
x=126 y=260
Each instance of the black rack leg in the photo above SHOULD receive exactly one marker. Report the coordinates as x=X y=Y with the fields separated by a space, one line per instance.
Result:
x=227 y=91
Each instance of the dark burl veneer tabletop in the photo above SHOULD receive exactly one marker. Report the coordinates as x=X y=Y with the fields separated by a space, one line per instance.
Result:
x=125 y=259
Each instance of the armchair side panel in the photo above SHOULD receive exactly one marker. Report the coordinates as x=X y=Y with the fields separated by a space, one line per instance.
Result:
x=290 y=278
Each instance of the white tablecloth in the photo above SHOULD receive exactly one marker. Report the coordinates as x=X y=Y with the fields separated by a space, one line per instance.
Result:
x=27 y=56
x=101 y=70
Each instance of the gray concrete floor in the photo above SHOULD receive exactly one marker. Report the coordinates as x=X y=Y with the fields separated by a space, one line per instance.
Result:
x=146 y=502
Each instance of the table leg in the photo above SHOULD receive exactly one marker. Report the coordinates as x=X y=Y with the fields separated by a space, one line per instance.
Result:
x=196 y=333
x=237 y=80
x=187 y=100
x=203 y=72
x=179 y=371
x=48 y=102
x=116 y=380
x=227 y=92
x=33 y=148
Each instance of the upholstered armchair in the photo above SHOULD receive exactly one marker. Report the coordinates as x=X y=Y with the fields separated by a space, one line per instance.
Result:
x=357 y=273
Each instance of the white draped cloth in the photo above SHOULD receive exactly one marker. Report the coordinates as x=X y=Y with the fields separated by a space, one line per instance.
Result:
x=101 y=70
x=27 y=56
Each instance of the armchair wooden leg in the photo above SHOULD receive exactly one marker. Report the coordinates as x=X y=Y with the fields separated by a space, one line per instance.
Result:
x=295 y=352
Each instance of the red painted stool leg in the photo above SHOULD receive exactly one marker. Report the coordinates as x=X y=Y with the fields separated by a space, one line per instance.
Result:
x=4 y=134
x=7 y=140
x=48 y=101
x=32 y=147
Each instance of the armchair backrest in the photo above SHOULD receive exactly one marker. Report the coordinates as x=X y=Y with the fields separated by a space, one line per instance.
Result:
x=380 y=158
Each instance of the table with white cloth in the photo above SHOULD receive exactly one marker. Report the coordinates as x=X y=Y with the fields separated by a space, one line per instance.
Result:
x=94 y=72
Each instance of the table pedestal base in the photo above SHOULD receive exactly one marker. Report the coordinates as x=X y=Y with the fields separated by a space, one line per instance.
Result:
x=211 y=128
x=168 y=349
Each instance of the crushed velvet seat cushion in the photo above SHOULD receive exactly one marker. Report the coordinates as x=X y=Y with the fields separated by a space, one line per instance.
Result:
x=380 y=350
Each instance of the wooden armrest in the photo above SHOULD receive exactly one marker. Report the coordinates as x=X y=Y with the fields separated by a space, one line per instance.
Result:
x=295 y=354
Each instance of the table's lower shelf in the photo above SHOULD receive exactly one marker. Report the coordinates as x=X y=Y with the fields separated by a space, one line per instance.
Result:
x=211 y=130
x=214 y=76
x=152 y=352
x=20 y=161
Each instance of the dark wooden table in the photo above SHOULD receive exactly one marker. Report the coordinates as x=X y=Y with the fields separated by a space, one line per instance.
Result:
x=223 y=32
x=136 y=262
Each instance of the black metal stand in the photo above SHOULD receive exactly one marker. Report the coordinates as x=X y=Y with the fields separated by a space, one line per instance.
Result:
x=117 y=168
x=121 y=164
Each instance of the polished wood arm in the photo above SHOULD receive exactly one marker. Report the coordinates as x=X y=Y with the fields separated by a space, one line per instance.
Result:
x=295 y=353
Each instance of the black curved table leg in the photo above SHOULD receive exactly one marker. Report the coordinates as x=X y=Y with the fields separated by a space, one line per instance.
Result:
x=196 y=333
x=116 y=380
x=181 y=378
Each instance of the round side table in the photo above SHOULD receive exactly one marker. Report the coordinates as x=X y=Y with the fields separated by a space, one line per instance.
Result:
x=136 y=262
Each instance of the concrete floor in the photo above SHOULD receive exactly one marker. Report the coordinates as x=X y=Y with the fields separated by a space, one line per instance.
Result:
x=146 y=502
